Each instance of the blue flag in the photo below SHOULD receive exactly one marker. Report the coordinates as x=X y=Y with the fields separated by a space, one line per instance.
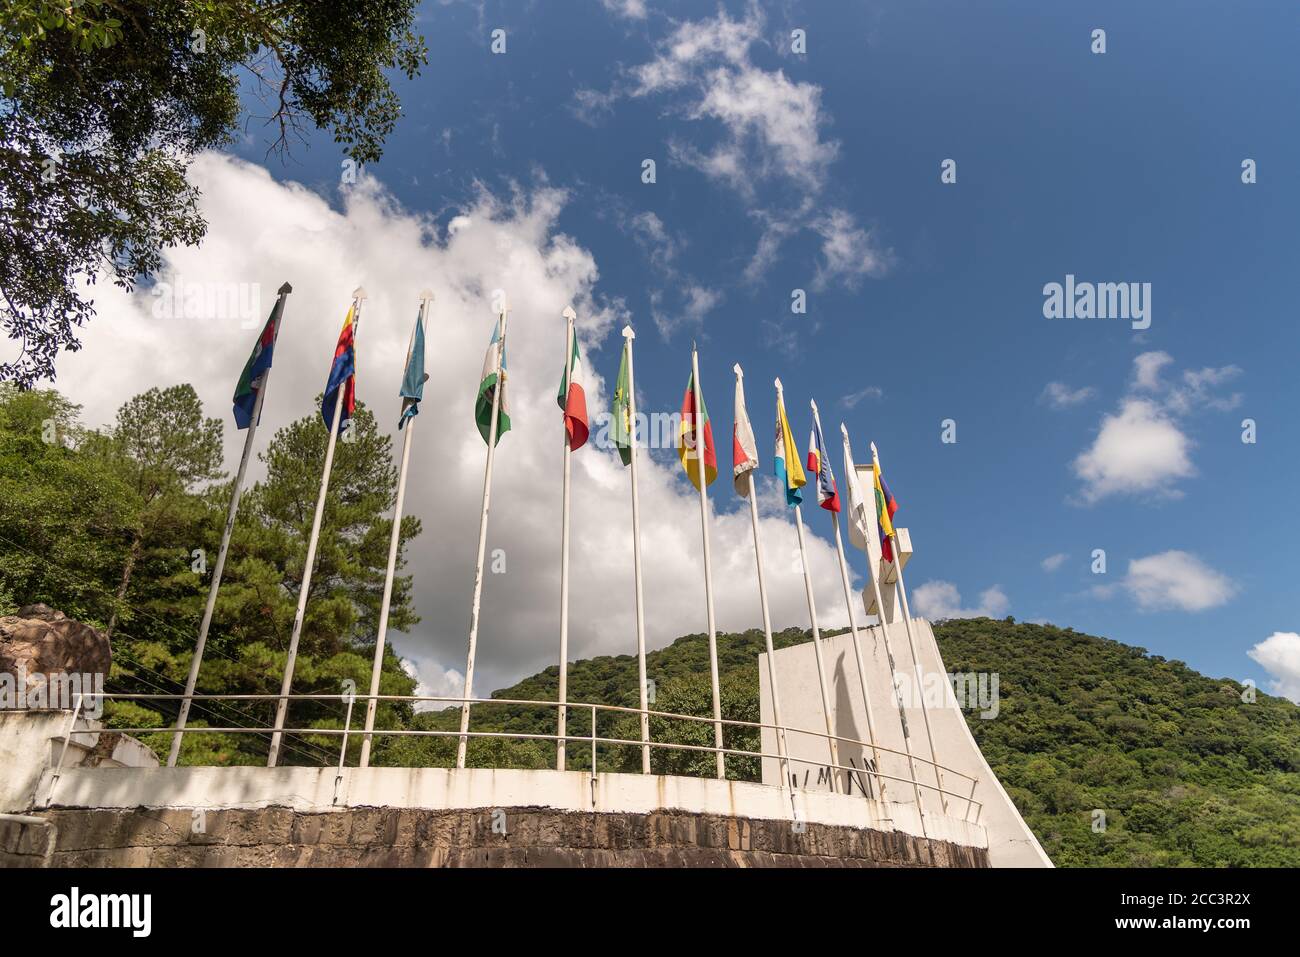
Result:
x=413 y=379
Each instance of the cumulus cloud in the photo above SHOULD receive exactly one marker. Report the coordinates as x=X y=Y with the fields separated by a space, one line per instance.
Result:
x=1146 y=370
x=1279 y=655
x=1138 y=449
x=1052 y=562
x=494 y=242
x=1060 y=396
x=939 y=599
x=1176 y=581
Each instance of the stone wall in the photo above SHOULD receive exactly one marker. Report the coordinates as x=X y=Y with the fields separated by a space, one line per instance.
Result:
x=413 y=837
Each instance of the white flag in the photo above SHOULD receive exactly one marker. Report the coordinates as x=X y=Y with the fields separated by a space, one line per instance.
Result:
x=744 y=453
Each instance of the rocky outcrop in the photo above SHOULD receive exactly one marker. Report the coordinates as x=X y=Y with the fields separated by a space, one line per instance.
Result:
x=41 y=640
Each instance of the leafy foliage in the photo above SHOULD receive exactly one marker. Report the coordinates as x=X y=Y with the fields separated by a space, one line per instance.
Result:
x=105 y=102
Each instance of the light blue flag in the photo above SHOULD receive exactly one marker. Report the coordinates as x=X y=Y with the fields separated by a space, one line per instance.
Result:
x=414 y=378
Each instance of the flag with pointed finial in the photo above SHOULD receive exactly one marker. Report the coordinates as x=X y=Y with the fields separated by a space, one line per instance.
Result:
x=620 y=424
x=886 y=506
x=572 y=399
x=786 y=465
x=342 y=376
x=744 y=452
x=688 y=442
x=414 y=377
x=494 y=360
x=255 y=369
x=828 y=496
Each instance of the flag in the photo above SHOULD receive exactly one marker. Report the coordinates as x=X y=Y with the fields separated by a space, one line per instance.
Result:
x=494 y=359
x=860 y=518
x=255 y=369
x=572 y=399
x=828 y=496
x=686 y=446
x=786 y=458
x=744 y=453
x=342 y=375
x=886 y=506
x=620 y=424
x=413 y=379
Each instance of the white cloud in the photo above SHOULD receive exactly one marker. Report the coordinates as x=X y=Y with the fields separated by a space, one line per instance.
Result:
x=1140 y=450
x=1052 y=562
x=511 y=244
x=1060 y=396
x=631 y=9
x=1146 y=372
x=696 y=303
x=853 y=398
x=1177 y=581
x=849 y=252
x=939 y=599
x=1279 y=655
x=433 y=681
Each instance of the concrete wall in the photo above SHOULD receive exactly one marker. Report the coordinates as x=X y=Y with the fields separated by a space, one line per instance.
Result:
x=1010 y=842
x=500 y=837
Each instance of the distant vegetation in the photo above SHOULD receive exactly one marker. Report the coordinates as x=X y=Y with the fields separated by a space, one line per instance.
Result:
x=103 y=526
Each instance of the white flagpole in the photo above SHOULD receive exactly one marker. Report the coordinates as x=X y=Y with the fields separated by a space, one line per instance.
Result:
x=629 y=335
x=426 y=296
x=217 y=570
x=853 y=618
x=782 y=753
x=873 y=560
x=911 y=643
x=282 y=705
x=816 y=633
x=569 y=317
x=482 y=541
x=708 y=561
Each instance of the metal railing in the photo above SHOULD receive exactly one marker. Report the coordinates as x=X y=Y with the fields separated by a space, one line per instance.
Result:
x=781 y=734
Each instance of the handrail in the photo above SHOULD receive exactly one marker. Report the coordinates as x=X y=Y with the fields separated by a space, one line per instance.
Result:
x=593 y=739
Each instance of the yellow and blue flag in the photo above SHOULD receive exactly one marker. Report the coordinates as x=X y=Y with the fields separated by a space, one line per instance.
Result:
x=786 y=465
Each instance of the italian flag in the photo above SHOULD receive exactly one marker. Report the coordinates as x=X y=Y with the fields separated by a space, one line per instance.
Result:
x=572 y=399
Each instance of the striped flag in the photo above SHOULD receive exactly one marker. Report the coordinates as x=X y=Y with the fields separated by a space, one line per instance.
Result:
x=828 y=496
x=687 y=443
x=786 y=465
x=744 y=453
x=494 y=359
x=342 y=376
x=572 y=399
x=255 y=369
x=886 y=506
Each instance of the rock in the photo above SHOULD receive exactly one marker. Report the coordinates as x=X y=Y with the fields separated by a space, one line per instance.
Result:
x=46 y=641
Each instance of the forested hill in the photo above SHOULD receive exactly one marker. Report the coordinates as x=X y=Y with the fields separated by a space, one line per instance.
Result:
x=1186 y=771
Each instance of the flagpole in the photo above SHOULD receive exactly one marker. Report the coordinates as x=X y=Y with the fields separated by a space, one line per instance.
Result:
x=782 y=752
x=873 y=560
x=700 y=449
x=569 y=317
x=197 y=660
x=853 y=618
x=816 y=633
x=282 y=705
x=482 y=542
x=629 y=335
x=394 y=541
x=911 y=643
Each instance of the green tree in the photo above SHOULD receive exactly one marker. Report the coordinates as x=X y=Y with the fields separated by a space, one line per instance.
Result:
x=106 y=102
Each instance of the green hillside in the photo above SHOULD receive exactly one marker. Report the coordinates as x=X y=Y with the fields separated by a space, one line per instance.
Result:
x=1186 y=772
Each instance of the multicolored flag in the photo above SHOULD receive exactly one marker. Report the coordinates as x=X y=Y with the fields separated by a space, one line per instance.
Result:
x=687 y=441
x=342 y=376
x=494 y=359
x=620 y=422
x=744 y=452
x=886 y=506
x=786 y=465
x=414 y=377
x=828 y=496
x=255 y=369
x=572 y=399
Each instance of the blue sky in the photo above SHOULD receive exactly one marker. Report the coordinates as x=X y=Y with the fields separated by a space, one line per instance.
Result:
x=820 y=171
